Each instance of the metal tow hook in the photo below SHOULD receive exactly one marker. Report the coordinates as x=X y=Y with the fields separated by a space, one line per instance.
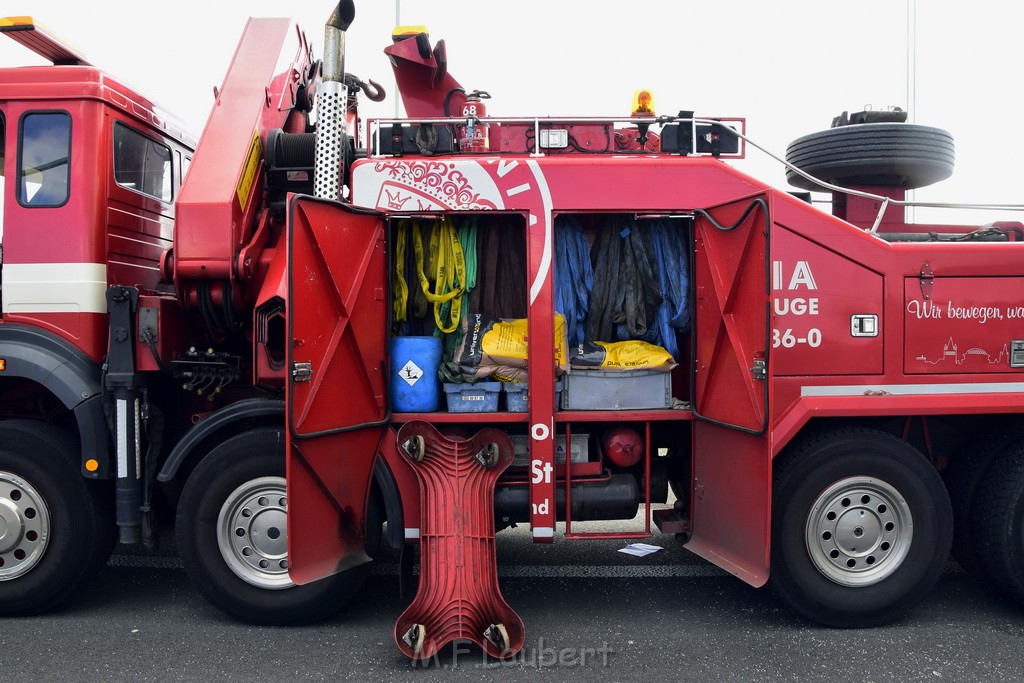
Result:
x=373 y=90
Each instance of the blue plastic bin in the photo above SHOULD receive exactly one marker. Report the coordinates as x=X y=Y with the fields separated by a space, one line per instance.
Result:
x=481 y=397
x=516 y=396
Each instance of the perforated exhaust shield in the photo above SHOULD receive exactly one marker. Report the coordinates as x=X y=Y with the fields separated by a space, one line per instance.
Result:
x=331 y=136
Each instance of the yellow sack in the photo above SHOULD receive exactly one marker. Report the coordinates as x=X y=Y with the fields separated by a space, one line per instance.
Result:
x=492 y=345
x=632 y=354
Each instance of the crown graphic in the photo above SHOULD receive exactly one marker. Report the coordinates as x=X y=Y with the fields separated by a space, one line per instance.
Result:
x=395 y=200
x=431 y=183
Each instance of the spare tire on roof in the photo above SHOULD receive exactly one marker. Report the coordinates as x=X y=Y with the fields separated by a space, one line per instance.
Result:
x=903 y=155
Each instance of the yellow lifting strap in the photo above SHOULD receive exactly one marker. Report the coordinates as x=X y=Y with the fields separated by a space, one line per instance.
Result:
x=446 y=265
x=400 y=302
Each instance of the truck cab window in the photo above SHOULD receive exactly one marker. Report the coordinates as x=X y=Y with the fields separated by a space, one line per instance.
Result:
x=45 y=152
x=141 y=163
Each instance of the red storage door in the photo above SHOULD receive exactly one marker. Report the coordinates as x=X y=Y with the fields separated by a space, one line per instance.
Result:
x=732 y=479
x=337 y=405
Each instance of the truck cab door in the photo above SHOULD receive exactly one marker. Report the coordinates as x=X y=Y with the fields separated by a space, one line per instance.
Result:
x=337 y=407
x=732 y=469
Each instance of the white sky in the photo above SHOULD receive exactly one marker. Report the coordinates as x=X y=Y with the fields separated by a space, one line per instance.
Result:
x=788 y=67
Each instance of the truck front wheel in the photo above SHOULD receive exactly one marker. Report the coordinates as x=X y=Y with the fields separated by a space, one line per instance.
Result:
x=861 y=527
x=56 y=528
x=232 y=536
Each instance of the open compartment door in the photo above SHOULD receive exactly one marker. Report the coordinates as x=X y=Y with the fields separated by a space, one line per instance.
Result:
x=337 y=407
x=731 y=497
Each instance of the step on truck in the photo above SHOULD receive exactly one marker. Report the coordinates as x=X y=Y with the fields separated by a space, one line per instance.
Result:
x=307 y=335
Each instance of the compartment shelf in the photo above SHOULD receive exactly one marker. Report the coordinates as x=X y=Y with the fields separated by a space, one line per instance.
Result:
x=444 y=417
x=560 y=416
x=622 y=415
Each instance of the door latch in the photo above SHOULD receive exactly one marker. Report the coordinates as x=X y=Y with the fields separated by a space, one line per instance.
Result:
x=302 y=372
x=864 y=325
x=760 y=369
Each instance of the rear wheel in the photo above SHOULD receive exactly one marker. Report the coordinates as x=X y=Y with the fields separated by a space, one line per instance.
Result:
x=56 y=528
x=861 y=527
x=964 y=479
x=999 y=523
x=232 y=536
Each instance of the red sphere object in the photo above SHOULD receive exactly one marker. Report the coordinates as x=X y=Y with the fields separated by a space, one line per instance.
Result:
x=623 y=446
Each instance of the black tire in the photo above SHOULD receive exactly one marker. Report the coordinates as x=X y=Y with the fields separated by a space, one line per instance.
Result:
x=873 y=480
x=254 y=458
x=964 y=478
x=885 y=154
x=40 y=483
x=999 y=523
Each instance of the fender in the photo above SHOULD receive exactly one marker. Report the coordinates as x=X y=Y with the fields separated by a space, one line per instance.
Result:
x=246 y=409
x=68 y=374
x=267 y=408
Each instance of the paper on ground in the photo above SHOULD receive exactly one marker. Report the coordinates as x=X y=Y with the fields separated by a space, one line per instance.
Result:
x=640 y=549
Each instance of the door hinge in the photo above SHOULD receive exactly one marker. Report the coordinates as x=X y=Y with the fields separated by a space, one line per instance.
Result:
x=926 y=278
x=302 y=372
x=760 y=369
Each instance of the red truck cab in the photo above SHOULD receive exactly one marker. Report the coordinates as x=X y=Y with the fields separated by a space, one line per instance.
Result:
x=81 y=148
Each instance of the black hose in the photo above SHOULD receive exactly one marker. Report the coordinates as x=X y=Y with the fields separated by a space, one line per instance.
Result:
x=728 y=228
x=448 y=100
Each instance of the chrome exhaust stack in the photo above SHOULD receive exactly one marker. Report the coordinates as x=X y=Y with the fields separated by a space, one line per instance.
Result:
x=331 y=107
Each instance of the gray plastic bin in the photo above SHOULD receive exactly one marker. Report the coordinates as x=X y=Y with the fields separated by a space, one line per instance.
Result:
x=605 y=390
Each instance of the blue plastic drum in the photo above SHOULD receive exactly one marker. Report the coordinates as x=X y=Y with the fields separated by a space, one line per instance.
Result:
x=415 y=387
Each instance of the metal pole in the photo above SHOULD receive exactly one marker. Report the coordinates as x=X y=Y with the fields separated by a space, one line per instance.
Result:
x=911 y=84
x=398 y=22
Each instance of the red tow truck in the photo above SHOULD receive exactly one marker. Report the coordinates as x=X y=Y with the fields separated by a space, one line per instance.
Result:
x=222 y=328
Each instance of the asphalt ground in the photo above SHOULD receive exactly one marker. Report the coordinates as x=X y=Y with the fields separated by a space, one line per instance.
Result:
x=591 y=613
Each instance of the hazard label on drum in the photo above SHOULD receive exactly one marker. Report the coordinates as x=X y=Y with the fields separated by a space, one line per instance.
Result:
x=411 y=373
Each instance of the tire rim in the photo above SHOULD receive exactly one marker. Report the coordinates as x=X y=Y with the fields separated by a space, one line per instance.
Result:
x=252 y=533
x=24 y=526
x=859 y=531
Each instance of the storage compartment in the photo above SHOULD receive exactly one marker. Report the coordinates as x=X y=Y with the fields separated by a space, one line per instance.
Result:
x=579 y=450
x=623 y=278
x=446 y=272
x=481 y=397
x=629 y=390
x=617 y=278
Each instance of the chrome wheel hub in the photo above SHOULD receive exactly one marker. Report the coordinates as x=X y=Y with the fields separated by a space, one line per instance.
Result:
x=859 y=531
x=252 y=533
x=24 y=526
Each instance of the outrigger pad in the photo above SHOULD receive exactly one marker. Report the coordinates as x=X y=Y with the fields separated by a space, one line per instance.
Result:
x=458 y=596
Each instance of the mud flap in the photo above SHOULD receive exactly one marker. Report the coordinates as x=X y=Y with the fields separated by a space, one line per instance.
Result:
x=336 y=402
x=731 y=513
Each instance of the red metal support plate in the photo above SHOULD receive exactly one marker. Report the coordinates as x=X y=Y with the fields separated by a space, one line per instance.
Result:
x=458 y=596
